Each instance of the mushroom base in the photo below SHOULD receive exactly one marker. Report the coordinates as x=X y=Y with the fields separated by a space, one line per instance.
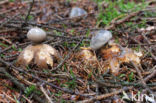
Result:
x=42 y=55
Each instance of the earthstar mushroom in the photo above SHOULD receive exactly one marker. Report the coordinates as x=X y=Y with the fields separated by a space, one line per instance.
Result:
x=76 y=11
x=43 y=55
x=101 y=38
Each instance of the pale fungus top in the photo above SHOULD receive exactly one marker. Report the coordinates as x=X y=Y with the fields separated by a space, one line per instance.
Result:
x=36 y=35
x=75 y=12
x=101 y=38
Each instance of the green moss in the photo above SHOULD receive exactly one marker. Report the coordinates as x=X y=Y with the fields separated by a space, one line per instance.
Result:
x=116 y=10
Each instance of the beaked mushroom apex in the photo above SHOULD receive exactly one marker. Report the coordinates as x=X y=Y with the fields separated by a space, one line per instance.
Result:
x=36 y=35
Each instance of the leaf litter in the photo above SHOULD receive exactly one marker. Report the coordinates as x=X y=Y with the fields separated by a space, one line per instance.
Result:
x=111 y=65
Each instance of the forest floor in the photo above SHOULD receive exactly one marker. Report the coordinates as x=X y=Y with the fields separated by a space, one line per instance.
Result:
x=74 y=78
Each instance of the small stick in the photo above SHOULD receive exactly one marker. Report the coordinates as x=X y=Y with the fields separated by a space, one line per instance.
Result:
x=46 y=95
x=29 y=101
x=18 y=84
x=152 y=55
x=9 y=10
x=9 y=19
x=62 y=62
x=6 y=40
x=3 y=2
x=153 y=74
x=148 y=43
x=7 y=30
x=26 y=18
x=103 y=96
x=141 y=78
x=9 y=97
x=39 y=79
x=6 y=49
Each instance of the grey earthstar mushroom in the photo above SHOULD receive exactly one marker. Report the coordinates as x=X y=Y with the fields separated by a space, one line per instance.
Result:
x=43 y=55
x=76 y=11
x=101 y=38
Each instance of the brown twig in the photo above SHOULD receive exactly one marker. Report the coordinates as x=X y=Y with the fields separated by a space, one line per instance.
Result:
x=6 y=49
x=103 y=96
x=8 y=19
x=3 y=2
x=113 y=84
x=46 y=95
x=45 y=26
x=39 y=25
x=39 y=79
x=8 y=97
x=6 y=40
x=149 y=43
x=7 y=30
x=152 y=55
x=153 y=74
x=141 y=78
x=10 y=47
x=9 y=10
x=26 y=18
x=29 y=101
x=62 y=62
x=18 y=84
x=65 y=19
